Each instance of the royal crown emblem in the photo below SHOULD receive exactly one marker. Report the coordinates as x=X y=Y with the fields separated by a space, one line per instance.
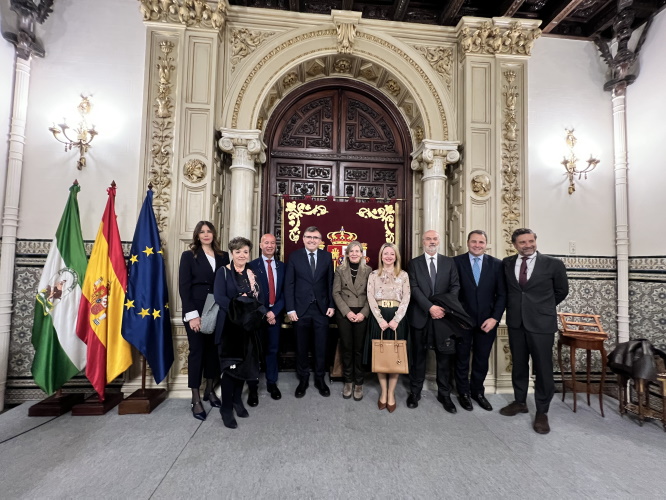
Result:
x=339 y=241
x=341 y=237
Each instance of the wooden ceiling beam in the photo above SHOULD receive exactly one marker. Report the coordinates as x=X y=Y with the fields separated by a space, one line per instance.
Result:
x=449 y=12
x=399 y=10
x=509 y=7
x=602 y=21
x=557 y=15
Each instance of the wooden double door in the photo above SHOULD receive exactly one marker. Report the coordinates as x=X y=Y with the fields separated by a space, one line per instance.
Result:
x=337 y=138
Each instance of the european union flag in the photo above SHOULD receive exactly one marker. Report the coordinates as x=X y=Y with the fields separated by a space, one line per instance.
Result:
x=146 y=319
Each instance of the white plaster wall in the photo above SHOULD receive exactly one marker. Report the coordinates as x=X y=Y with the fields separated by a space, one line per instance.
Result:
x=565 y=81
x=646 y=138
x=95 y=47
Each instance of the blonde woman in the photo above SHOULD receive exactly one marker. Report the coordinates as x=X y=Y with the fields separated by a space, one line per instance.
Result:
x=350 y=287
x=388 y=297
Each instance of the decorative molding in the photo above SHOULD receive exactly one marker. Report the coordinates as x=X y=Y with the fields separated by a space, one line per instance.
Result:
x=393 y=87
x=647 y=263
x=346 y=36
x=194 y=170
x=511 y=193
x=161 y=148
x=244 y=42
x=441 y=60
x=489 y=39
x=481 y=185
x=191 y=13
x=290 y=80
x=342 y=65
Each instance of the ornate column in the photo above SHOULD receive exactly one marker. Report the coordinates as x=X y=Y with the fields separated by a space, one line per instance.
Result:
x=26 y=45
x=246 y=149
x=431 y=159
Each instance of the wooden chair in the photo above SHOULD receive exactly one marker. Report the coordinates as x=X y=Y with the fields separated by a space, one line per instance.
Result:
x=582 y=331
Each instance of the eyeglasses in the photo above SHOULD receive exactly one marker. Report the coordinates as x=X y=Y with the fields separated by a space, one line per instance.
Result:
x=311 y=237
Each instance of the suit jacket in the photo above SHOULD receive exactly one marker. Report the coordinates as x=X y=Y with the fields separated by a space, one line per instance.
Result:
x=535 y=306
x=196 y=278
x=348 y=293
x=301 y=288
x=259 y=269
x=488 y=298
x=421 y=287
x=225 y=291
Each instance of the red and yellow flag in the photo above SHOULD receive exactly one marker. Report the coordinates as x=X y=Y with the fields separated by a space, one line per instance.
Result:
x=101 y=308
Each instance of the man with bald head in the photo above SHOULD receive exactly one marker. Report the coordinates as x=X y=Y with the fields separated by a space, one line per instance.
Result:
x=270 y=274
x=430 y=274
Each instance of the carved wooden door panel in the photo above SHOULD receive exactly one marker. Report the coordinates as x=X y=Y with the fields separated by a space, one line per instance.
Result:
x=340 y=142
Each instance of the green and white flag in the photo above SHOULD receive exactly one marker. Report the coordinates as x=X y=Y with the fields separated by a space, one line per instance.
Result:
x=59 y=353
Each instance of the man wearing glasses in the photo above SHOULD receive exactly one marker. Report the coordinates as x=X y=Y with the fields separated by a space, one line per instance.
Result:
x=309 y=303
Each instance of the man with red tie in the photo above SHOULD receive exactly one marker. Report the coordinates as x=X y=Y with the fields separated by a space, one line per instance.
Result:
x=536 y=284
x=270 y=273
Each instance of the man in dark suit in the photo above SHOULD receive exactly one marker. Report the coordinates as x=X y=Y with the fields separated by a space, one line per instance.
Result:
x=309 y=302
x=483 y=295
x=429 y=274
x=536 y=284
x=270 y=274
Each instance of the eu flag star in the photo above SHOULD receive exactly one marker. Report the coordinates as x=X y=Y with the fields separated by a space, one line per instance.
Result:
x=166 y=306
x=148 y=251
x=144 y=313
x=129 y=304
x=156 y=314
x=134 y=259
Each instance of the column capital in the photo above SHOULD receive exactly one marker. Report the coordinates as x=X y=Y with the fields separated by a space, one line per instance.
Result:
x=190 y=13
x=497 y=36
x=430 y=154
x=245 y=146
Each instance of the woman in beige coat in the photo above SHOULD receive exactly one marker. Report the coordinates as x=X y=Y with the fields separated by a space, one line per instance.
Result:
x=351 y=302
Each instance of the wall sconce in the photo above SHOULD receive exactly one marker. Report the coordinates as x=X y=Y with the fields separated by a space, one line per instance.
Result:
x=84 y=134
x=570 y=162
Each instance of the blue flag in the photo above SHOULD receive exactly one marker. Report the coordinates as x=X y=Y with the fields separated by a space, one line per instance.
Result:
x=146 y=319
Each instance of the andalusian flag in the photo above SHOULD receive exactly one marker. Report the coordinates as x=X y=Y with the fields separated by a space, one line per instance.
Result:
x=101 y=308
x=59 y=353
x=147 y=323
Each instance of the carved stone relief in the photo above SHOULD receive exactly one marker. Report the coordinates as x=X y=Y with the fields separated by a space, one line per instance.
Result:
x=481 y=185
x=489 y=39
x=194 y=170
x=244 y=42
x=441 y=60
x=191 y=13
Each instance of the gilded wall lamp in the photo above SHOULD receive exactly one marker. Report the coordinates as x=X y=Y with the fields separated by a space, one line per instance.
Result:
x=84 y=133
x=570 y=162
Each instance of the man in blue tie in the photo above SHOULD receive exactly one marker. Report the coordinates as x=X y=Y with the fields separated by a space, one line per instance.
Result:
x=483 y=296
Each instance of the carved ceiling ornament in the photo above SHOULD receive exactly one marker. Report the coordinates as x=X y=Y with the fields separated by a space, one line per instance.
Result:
x=393 y=87
x=489 y=39
x=345 y=26
x=244 y=42
x=194 y=170
x=511 y=194
x=290 y=80
x=191 y=13
x=441 y=60
x=161 y=147
x=342 y=65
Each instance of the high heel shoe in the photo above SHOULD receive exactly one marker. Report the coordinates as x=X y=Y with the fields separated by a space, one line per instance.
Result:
x=213 y=399
x=391 y=408
x=381 y=405
x=200 y=415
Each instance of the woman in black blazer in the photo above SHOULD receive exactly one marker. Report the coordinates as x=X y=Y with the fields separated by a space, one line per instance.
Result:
x=196 y=277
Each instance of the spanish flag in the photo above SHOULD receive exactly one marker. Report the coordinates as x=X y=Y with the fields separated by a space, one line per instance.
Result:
x=101 y=308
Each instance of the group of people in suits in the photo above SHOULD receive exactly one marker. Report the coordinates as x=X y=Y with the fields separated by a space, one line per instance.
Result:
x=450 y=305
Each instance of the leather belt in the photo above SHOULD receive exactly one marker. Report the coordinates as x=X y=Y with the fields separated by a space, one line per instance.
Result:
x=388 y=303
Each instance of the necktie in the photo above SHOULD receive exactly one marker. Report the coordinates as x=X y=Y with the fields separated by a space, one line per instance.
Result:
x=271 y=283
x=522 y=275
x=433 y=273
x=312 y=263
x=476 y=270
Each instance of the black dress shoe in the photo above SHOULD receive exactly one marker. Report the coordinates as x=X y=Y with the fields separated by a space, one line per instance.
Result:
x=447 y=403
x=513 y=408
x=302 y=387
x=483 y=402
x=541 y=423
x=241 y=411
x=228 y=419
x=465 y=402
x=413 y=400
x=252 y=397
x=274 y=391
x=201 y=415
x=213 y=399
x=323 y=388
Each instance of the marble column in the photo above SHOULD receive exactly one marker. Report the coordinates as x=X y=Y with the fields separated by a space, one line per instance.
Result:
x=431 y=158
x=246 y=149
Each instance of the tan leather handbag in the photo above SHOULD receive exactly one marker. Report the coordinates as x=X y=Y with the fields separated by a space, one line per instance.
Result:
x=389 y=356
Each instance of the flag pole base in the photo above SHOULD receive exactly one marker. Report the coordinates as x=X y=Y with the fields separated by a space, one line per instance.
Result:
x=55 y=405
x=95 y=407
x=142 y=401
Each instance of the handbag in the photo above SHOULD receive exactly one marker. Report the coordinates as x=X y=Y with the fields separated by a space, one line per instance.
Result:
x=209 y=315
x=389 y=356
